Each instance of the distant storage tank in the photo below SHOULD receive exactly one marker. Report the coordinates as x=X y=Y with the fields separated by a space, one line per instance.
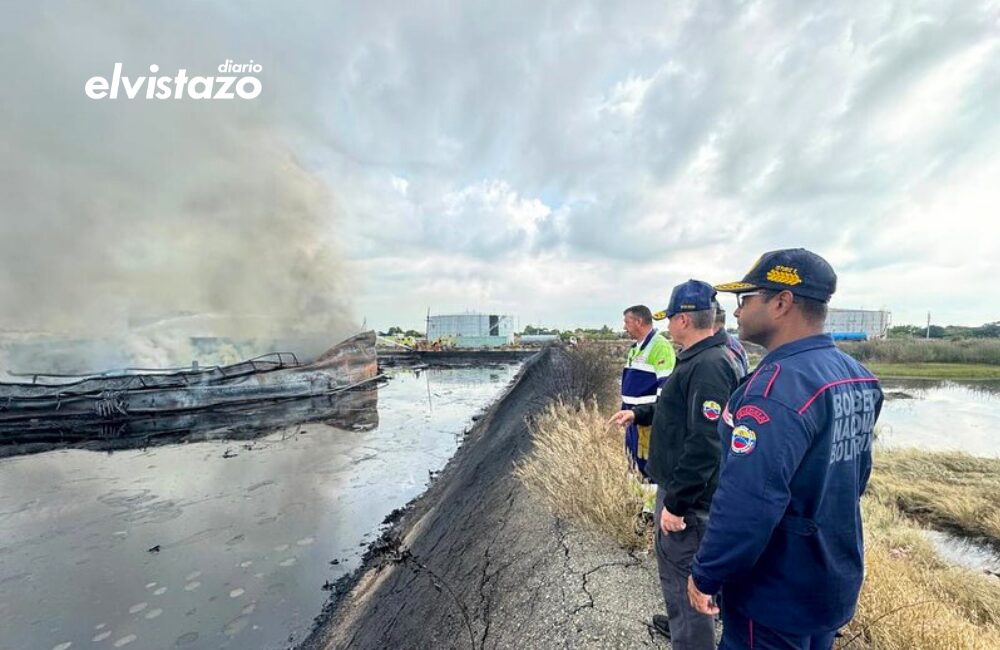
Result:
x=538 y=339
x=857 y=324
x=471 y=330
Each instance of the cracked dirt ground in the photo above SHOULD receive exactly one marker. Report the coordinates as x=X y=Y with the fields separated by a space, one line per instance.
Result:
x=478 y=562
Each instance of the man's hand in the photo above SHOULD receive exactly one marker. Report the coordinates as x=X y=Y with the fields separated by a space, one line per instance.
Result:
x=622 y=418
x=701 y=603
x=670 y=523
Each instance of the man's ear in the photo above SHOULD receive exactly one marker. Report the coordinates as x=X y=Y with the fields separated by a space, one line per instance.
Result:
x=783 y=302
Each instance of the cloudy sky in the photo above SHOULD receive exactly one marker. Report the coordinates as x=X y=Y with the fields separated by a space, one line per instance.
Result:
x=562 y=160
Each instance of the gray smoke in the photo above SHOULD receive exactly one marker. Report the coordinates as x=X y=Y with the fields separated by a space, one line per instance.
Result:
x=136 y=225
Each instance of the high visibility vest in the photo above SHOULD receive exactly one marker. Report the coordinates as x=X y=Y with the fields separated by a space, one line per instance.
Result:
x=647 y=367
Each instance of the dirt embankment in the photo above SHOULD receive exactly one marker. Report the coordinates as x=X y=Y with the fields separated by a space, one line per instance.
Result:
x=478 y=562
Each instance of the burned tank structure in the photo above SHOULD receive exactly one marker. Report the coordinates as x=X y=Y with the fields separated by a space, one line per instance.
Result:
x=132 y=407
x=355 y=409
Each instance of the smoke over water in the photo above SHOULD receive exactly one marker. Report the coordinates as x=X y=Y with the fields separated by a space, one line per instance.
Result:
x=135 y=229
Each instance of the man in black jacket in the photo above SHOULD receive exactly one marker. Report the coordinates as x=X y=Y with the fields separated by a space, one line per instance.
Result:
x=684 y=453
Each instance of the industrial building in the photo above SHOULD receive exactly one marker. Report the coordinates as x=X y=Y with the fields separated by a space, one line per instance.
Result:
x=471 y=330
x=857 y=324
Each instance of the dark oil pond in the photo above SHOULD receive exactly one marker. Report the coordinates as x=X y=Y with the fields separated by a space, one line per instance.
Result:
x=941 y=416
x=246 y=529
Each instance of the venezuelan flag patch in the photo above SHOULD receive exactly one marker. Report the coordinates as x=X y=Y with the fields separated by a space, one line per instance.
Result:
x=744 y=440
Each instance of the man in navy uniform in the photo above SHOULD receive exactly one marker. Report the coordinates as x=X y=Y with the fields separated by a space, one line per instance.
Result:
x=784 y=541
x=684 y=453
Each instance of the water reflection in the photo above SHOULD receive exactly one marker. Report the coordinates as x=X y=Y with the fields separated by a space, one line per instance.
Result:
x=965 y=552
x=213 y=543
x=941 y=415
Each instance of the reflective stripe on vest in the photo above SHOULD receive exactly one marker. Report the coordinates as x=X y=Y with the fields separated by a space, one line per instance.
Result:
x=644 y=399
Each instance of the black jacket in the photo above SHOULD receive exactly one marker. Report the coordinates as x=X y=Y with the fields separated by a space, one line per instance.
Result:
x=685 y=448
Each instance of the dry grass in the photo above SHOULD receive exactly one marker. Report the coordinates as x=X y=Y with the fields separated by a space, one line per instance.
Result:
x=592 y=373
x=578 y=466
x=949 y=491
x=911 y=598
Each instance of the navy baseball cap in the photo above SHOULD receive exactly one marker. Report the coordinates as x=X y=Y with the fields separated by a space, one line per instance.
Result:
x=693 y=295
x=802 y=272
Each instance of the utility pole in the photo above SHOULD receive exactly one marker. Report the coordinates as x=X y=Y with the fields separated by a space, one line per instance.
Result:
x=928 y=325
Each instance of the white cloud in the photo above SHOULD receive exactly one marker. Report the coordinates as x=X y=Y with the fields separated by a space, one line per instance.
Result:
x=564 y=160
x=934 y=101
x=686 y=141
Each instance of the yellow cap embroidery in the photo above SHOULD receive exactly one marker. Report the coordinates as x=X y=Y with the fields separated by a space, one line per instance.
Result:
x=784 y=275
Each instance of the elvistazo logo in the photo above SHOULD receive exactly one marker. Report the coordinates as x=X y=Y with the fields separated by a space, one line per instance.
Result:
x=180 y=85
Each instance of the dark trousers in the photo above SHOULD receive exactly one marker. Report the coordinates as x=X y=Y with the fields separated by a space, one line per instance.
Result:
x=741 y=633
x=689 y=630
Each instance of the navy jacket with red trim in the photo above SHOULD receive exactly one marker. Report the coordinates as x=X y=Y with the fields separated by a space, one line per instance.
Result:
x=784 y=539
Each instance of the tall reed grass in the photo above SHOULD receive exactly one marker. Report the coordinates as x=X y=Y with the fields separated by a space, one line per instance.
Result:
x=578 y=466
x=978 y=351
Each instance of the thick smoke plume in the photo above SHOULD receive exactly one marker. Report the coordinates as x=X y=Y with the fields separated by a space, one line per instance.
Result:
x=139 y=224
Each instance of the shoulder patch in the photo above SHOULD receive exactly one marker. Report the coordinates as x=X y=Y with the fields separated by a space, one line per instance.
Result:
x=754 y=412
x=711 y=410
x=744 y=441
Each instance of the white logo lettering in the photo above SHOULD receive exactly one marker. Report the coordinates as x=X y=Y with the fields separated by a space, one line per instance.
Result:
x=853 y=424
x=179 y=86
